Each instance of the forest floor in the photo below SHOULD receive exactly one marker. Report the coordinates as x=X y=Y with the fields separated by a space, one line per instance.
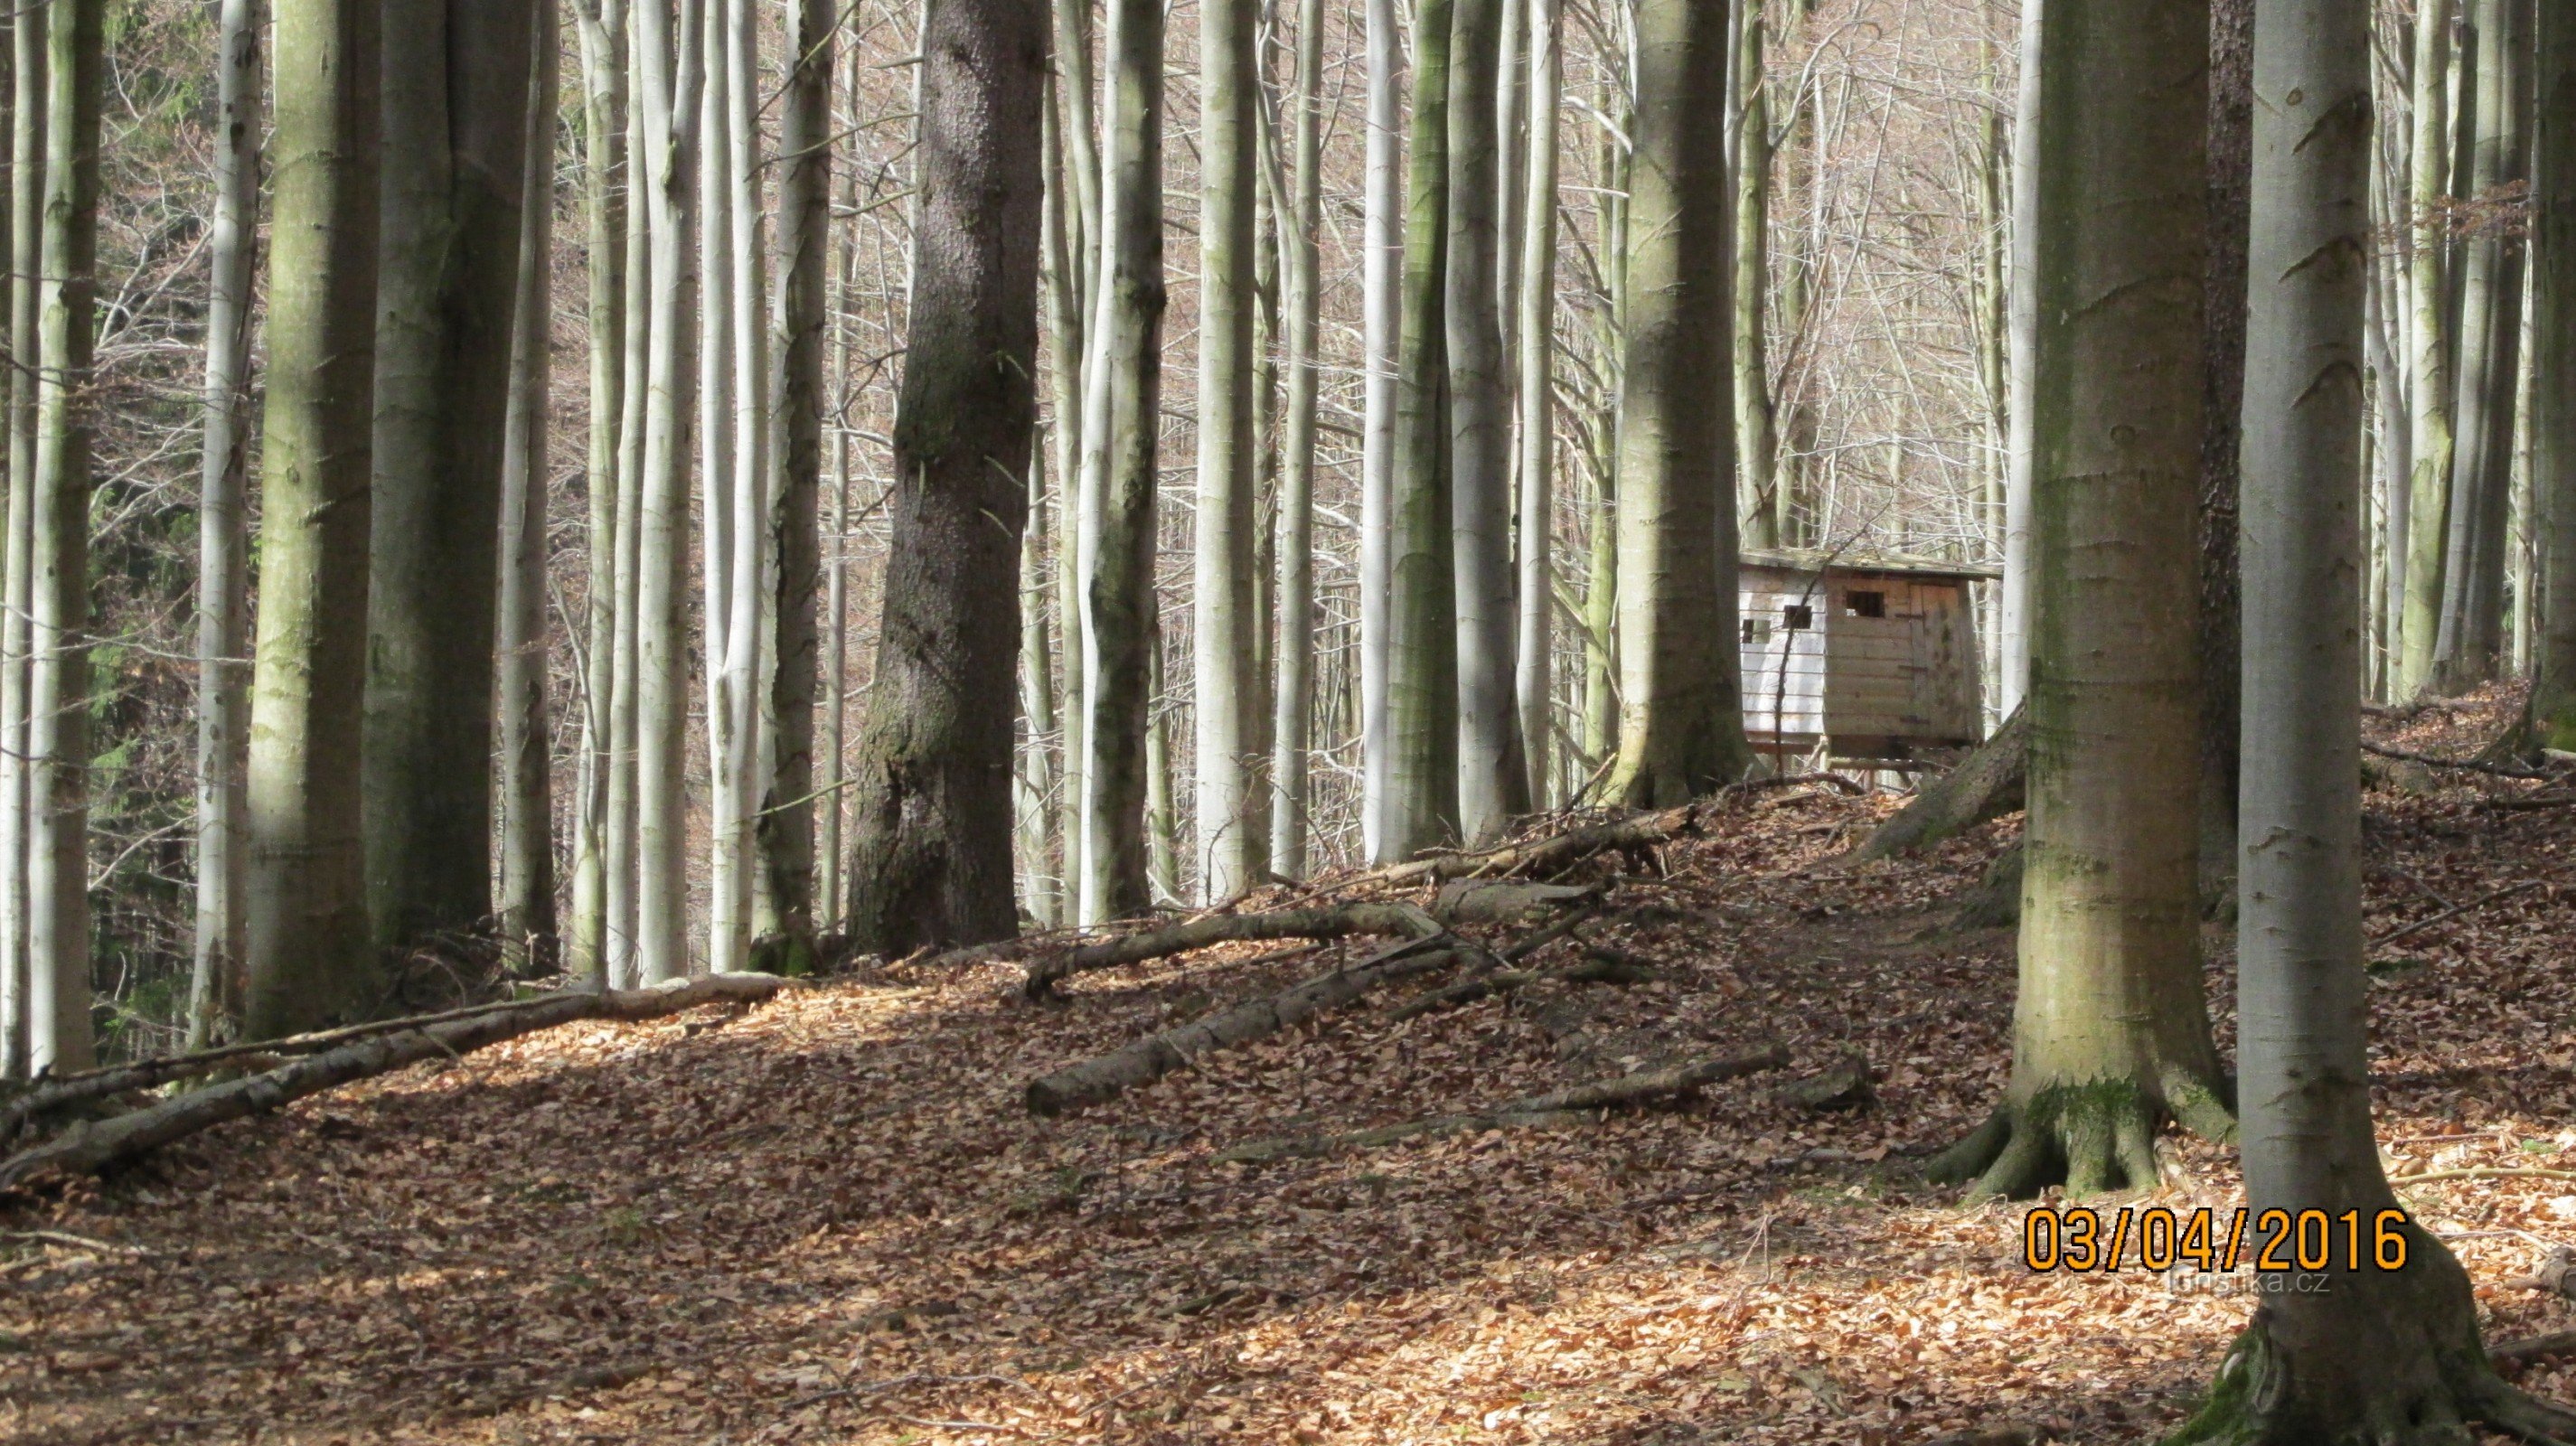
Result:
x=830 y=1219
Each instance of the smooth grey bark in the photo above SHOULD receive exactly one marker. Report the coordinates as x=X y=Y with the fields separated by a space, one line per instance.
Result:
x=2362 y=1354
x=26 y=206
x=1681 y=723
x=1535 y=643
x=931 y=862
x=58 y=675
x=2111 y=1031
x=1382 y=328
x=1418 y=798
x=601 y=33
x=1222 y=639
x=528 y=923
x=223 y=531
x=2428 y=384
x=1293 y=692
x=310 y=960
x=1493 y=772
x=621 y=832
x=2021 y=345
x=2468 y=639
x=1122 y=414
x=455 y=136
x=783 y=830
x=668 y=73
x=1756 y=434
x=1034 y=802
x=1065 y=291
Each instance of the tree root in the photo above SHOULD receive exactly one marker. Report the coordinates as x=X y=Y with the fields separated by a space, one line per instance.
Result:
x=1556 y=1110
x=2404 y=1393
x=1986 y=785
x=89 y=1147
x=2089 y=1137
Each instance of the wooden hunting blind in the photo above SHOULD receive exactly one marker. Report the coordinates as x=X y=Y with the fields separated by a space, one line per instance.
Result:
x=1873 y=657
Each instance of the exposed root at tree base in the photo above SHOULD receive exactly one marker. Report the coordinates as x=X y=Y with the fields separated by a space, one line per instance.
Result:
x=2437 y=1399
x=2088 y=1137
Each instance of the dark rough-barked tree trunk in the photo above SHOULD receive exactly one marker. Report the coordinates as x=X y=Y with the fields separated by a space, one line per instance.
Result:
x=2111 y=1033
x=2231 y=120
x=455 y=136
x=2367 y=1354
x=1681 y=725
x=931 y=862
x=783 y=831
x=309 y=960
x=2553 y=381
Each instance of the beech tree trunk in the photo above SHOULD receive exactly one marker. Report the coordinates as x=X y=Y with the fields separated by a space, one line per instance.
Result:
x=1292 y=694
x=455 y=131
x=602 y=37
x=783 y=830
x=26 y=208
x=2021 y=362
x=2553 y=383
x=310 y=960
x=1755 y=437
x=223 y=532
x=1419 y=789
x=527 y=734
x=1121 y=417
x=58 y=679
x=1681 y=724
x=2111 y=1034
x=2428 y=382
x=1223 y=638
x=1534 y=647
x=1382 y=330
x=931 y=856
x=1493 y=772
x=2363 y=1354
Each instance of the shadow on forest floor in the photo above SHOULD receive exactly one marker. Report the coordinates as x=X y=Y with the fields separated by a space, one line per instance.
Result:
x=830 y=1220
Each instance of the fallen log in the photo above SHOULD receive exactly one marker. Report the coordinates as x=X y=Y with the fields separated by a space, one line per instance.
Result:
x=1986 y=785
x=1339 y=921
x=1104 y=1078
x=55 y=1093
x=1554 y=1110
x=1597 y=968
x=2471 y=765
x=92 y=1145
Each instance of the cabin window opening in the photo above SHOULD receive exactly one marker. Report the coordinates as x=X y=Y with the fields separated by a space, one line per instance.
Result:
x=1865 y=604
x=1796 y=616
x=1757 y=630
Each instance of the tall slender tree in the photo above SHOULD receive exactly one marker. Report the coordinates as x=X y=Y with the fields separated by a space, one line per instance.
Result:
x=2367 y=1352
x=784 y=824
x=2428 y=382
x=1681 y=726
x=2111 y=1034
x=1534 y=647
x=528 y=923
x=1222 y=675
x=223 y=529
x=17 y=578
x=1493 y=771
x=1293 y=694
x=58 y=681
x=2021 y=368
x=2553 y=381
x=1418 y=789
x=455 y=136
x=1756 y=442
x=601 y=34
x=1382 y=330
x=310 y=959
x=932 y=821
x=1121 y=416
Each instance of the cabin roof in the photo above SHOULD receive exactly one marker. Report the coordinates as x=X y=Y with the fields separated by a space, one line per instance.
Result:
x=1852 y=564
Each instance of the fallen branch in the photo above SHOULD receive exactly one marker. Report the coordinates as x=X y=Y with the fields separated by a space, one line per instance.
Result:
x=1987 y=784
x=55 y=1093
x=1548 y=853
x=2500 y=770
x=2533 y=1347
x=1095 y=1081
x=1597 y=968
x=2483 y=1172
x=1332 y=922
x=1554 y=1110
x=2480 y=902
x=88 y=1147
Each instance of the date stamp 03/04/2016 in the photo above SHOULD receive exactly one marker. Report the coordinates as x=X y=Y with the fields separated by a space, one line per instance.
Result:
x=2207 y=1251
